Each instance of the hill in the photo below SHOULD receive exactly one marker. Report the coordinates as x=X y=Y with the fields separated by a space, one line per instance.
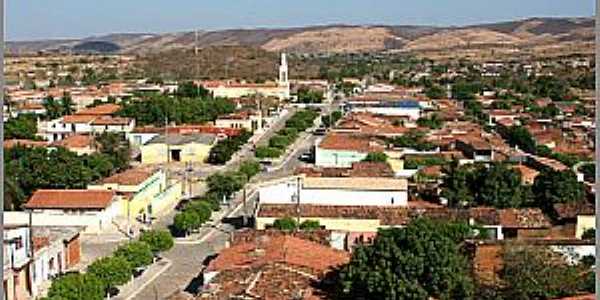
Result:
x=551 y=36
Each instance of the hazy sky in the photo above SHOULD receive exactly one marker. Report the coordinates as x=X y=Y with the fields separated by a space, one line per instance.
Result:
x=40 y=19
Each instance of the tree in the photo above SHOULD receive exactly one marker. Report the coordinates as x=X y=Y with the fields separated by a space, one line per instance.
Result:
x=267 y=152
x=112 y=271
x=22 y=127
x=115 y=146
x=225 y=184
x=76 y=286
x=158 y=240
x=551 y=187
x=66 y=104
x=589 y=234
x=500 y=187
x=433 y=122
x=53 y=108
x=379 y=157
x=417 y=262
x=306 y=95
x=138 y=254
x=435 y=92
x=249 y=168
x=186 y=221
x=310 y=225
x=455 y=187
x=519 y=136
x=540 y=273
x=285 y=224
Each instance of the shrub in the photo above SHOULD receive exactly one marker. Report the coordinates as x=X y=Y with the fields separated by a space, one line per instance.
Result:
x=310 y=225
x=376 y=157
x=286 y=224
x=158 y=240
x=202 y=209
x=249 y=168
x=138 y=254
x=112 y=271
x=76 y=286
x=268 y=152
x=589 y=234
x=186 y=221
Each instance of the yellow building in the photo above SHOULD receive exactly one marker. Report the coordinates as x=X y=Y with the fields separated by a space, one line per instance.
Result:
x=177 y=148
x=145 y=193
x=584 y=223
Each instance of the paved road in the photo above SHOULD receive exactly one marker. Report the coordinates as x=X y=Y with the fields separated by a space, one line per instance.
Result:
x=188 y=258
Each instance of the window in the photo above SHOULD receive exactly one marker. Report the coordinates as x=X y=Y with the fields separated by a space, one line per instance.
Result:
x=18 y=243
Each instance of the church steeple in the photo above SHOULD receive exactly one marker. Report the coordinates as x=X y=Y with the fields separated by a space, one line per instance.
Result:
x=283 y=71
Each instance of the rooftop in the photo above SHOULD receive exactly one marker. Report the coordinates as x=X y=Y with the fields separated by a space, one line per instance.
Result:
x=103 y=109
x=336 y=141
x=130 y=177
x=182 y=139
x=70 y=199
x=75 y=141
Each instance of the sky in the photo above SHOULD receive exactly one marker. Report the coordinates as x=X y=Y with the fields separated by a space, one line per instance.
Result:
x=45 y=19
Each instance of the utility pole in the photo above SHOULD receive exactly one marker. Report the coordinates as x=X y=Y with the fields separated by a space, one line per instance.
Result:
x=298 y=183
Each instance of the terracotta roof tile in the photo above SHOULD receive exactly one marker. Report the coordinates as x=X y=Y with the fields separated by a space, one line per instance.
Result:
x=75 y=141
x=104 y=109
x=335 y=141
x=70 y=199
x=130 y=176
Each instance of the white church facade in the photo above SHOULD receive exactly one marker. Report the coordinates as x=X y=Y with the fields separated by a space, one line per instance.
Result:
x=230 y=89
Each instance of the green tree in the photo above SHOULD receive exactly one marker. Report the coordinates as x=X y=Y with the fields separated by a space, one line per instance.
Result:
x=519 y=136
x=138 y=254
x=158 y=240
x=267 y=152
x=500 y=186
x=112 y=271
x=225 y=184
x=540 y=273
x=76 y=286
x=589 y=234
x=310 y=225
x=376 y=157
x=455 y=187
x=417 y=262
x=116 y=147
x=249 y=168
x=66 y=104
x=186 y=221
x=435 y=92
x=432 y=122
x=285 y=224
x=551 y=187
x=53 y=108
x=22 y=127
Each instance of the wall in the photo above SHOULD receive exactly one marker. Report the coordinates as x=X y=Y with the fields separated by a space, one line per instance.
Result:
x=281 y=193
x=167 y=200
x=337 y=224
x=73 y=252
x=157 y=153
x=337 y=158
x=584 y=223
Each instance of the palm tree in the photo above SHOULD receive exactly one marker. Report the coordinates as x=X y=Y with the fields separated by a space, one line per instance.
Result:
x=53 y=108
x=66 y=104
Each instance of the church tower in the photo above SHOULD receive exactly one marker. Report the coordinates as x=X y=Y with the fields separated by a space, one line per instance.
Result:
x=284 y=76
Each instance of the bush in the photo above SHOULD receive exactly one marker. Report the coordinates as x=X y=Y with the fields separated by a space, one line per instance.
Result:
x=158 y=240
x=138 y=254
x=76 y=286
x=286 y=224
x=589 y=234
x=310 y=225
x=186 y=221
x=202 y=209
x=249 y=168
x=268 y=152
x=112 y=271
x=376 y=157
x=280 y=141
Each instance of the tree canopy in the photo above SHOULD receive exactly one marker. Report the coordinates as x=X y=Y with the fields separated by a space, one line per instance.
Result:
x=22 y=127
x=551 y=187
x=417 y=262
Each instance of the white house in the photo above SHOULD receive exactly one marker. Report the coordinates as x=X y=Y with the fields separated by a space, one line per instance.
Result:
x=336 y=191
x=58 y=129
x=16 y=261
x=404 y=108
x=94 y=210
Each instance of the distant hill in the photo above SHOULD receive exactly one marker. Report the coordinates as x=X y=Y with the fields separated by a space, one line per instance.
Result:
x=544 y=35
x=96 y=47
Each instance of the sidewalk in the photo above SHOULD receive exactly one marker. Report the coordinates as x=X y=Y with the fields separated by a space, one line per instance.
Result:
x=132 y=288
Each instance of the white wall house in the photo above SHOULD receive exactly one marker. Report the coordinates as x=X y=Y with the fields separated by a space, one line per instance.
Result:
x=58 y=129
x=336 y=191
x=94 y=210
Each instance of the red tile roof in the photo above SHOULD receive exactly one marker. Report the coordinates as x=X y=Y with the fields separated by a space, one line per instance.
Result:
x=130 y=177
x=358 y=169
x=70 y=199
x=282 y=249
x=107 y=120
x=78 y=119
x=104 y=109
x=349 y=142
x=75 y=141
x=25 y=143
